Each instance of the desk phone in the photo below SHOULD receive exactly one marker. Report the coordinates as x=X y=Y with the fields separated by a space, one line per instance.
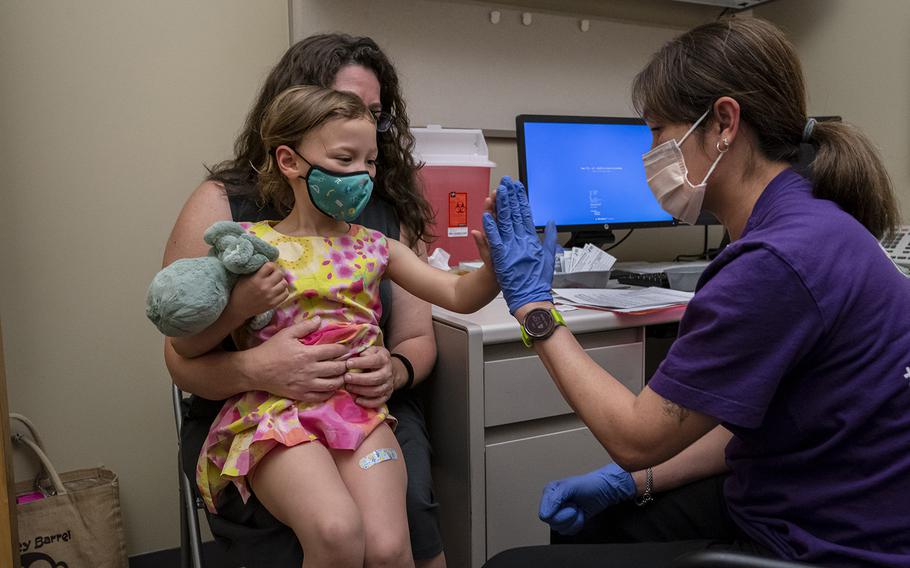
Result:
x=898 y=246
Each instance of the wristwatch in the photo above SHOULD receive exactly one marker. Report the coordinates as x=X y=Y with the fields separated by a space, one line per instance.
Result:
x=540 y=323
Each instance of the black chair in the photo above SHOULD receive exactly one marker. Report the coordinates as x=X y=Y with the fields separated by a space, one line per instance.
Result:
x=190 y=537
x=727 y=559
x=595 y=555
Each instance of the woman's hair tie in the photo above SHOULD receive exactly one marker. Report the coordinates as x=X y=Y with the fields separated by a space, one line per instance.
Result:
x=807 y=131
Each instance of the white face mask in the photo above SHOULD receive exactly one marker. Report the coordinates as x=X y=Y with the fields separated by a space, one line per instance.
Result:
x=668 y=178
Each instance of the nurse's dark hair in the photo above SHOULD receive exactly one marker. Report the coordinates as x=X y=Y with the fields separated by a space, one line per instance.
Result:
x=752 y=61
x=316 y=60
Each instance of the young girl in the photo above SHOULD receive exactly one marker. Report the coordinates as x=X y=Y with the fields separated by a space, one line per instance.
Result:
x=344 y=495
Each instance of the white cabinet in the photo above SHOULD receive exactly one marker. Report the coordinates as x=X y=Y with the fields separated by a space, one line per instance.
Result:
x=517 y=471
x=517 y=387
x=501 y=430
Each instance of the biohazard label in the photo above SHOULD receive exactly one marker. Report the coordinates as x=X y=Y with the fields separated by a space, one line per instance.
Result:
x=458 y=214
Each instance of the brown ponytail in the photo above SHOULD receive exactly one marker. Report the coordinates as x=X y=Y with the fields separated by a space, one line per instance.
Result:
x=848 y=170
x=752 y=61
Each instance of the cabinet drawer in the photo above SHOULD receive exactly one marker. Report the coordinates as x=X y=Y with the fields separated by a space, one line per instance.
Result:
x=517 y=386
x=516 y=472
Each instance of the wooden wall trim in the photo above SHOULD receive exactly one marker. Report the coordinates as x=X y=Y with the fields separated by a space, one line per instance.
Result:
x=9 y=535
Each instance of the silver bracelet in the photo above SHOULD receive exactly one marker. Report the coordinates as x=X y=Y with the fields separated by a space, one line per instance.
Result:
x=646 y=496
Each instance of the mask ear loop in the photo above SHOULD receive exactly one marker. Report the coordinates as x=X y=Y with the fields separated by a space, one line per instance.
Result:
x=305 y=178
x=720 y=155
x=683 y=139
x=694 y=126
x=301 y=156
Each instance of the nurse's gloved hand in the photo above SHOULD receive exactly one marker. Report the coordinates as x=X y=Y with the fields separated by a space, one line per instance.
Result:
x=567 y=503
x=523 y=265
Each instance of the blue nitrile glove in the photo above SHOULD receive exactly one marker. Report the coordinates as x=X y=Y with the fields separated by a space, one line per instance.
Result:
x=567 y=503
x=523 y=265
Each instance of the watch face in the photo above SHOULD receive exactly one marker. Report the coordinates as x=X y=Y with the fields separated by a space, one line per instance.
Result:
x=539 y=323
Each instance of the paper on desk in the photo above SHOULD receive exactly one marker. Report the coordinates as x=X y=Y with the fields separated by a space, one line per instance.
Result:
x=639 y=298
x=655 y=267
x=587 y=259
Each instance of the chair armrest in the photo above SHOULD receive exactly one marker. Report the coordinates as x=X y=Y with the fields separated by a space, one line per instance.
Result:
x=728 y=559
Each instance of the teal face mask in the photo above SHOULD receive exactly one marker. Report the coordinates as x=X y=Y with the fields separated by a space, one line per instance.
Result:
x=341 y=196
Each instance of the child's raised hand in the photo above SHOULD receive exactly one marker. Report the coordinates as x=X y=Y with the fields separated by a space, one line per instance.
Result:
x=483 y=247
x=489 y=204
x=259 y=292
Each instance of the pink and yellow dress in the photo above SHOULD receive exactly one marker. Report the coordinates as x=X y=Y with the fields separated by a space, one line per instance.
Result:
x=338 y=280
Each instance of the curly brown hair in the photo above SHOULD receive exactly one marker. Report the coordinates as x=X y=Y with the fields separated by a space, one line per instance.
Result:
x=316 y=60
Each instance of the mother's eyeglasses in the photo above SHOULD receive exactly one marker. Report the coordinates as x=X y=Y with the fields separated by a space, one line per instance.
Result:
x=383 y=120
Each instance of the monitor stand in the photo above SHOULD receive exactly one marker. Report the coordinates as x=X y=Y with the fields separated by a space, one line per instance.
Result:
x=596 y=238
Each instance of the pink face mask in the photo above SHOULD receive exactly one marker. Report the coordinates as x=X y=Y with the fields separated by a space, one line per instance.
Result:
x=668 y=178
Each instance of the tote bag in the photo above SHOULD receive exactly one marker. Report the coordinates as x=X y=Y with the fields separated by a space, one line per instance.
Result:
x=74 y=519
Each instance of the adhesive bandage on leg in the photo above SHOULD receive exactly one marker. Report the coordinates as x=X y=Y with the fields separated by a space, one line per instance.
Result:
x=377 y=456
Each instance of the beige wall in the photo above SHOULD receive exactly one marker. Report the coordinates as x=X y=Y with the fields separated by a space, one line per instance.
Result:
x=109 y=109
x=459 y=70
x=854 y=55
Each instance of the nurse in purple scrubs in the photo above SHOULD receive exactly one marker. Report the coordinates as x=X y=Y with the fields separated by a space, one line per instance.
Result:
x=779 y=423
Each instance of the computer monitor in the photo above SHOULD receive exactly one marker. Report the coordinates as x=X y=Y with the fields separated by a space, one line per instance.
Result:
x=586 y=174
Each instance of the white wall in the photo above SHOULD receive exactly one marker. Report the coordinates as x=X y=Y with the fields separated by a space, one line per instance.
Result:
x=109 y=109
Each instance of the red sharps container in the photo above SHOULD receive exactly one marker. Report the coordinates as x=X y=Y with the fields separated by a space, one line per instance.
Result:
x=456 y=180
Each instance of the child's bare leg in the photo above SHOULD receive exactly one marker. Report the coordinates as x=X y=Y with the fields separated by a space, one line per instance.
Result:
x=302 y=488
x=379 y=492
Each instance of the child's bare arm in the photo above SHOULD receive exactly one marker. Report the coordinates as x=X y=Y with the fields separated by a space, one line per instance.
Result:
x=463 y=294
x=189 y=346
x=251 y=295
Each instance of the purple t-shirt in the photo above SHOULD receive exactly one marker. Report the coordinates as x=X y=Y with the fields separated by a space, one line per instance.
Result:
x=798 y=341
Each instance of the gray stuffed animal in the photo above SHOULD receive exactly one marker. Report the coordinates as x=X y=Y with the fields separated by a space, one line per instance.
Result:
x=188 y=295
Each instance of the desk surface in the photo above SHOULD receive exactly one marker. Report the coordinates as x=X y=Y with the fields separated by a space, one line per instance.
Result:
x=498 y=326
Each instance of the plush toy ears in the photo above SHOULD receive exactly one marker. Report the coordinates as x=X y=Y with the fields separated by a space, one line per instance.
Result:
x=241 y=252
x=262 y=247
x=222 y=229
x=236 y=253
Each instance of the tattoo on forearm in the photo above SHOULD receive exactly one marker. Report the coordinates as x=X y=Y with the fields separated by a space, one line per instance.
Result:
x=674 y=410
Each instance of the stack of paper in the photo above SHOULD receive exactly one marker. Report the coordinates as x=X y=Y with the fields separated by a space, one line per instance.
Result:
x=624 y=300
x=656 y=267
x=587 y=259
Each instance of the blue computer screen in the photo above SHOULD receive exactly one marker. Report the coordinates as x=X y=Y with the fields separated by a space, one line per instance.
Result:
x=587 y=174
